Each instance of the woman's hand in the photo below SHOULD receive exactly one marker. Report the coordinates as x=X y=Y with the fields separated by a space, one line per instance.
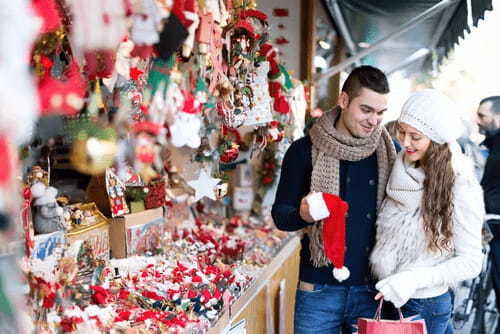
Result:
x=379 y=295
x=398 y=288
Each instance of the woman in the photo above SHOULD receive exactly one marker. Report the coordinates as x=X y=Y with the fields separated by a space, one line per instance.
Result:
x=429 y=226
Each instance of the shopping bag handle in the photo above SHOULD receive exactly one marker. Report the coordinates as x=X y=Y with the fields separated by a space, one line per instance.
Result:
x=378 y=314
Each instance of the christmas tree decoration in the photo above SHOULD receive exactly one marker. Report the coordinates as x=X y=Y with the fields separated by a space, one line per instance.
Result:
x=48 y=12
x=94 y=148
x=261 y=111
x=228 y=151
x=204 y=186
x=191 y=14
x=145 y=20
x=145 y=152
x=64 y=97
x=185 y=130
x=97 y=25
x=275 y=132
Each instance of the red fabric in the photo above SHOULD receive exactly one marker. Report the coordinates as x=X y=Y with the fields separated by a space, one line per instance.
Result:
x=280 y=12
x=135 y=73
x=6 y=160
x=334 y=229
x=372 y=326
x=48 y=12
x=99 y=64
x=245 y=25
x=253 y=13
x=54 y=95
x=281 y=105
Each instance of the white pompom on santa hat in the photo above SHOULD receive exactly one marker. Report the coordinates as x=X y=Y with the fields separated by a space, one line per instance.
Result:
x=332 y=210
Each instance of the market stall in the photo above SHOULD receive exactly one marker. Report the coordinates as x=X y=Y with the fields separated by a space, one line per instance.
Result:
x=150 y=135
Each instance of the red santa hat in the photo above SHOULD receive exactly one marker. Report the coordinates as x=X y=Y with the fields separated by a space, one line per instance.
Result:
x=332 y=210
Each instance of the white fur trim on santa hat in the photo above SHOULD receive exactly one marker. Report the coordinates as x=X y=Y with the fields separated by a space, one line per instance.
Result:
x=341 y=274
x=317 y=206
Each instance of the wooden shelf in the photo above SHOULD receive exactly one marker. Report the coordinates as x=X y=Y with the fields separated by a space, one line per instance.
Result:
x=272 y=290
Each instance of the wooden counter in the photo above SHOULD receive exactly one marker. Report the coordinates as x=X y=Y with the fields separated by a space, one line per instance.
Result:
x=267 y=306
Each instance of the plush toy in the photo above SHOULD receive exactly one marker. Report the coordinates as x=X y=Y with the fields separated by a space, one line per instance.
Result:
x=48 y=214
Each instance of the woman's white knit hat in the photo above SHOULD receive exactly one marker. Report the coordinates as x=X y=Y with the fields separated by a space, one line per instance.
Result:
x=434 y=114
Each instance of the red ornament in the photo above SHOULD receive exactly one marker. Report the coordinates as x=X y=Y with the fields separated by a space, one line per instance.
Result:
x=135 y=73
x=99 y=64
x=64 y=97
x=230 y=154
x=6 y=161
x=48 y=12
x=280 y=12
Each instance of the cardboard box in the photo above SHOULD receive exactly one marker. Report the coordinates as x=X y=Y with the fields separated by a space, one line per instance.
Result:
x=137 y=233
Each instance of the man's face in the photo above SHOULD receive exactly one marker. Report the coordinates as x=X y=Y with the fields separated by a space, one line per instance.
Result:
x=487 y=120
x=362 y=114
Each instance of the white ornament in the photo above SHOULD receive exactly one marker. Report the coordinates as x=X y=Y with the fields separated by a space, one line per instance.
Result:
x=186 y=130
x=261 y=112
x=204 y=186
x=145 y=22
x=98 y=24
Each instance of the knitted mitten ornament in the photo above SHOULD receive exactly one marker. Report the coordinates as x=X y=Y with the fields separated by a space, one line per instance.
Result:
x=332 y=209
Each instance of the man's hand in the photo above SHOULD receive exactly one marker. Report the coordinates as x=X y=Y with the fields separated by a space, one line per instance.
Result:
x=304 y=211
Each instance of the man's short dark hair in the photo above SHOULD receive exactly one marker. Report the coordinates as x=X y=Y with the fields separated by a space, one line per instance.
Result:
x=495 y=103
x=365 y=77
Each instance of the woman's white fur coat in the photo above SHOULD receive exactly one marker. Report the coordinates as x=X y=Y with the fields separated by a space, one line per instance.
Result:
x=401 y=260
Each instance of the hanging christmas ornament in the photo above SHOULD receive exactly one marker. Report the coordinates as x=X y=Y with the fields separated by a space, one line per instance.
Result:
x=94 y=148
x=228 y=151
x=261 y=111
x=275 y=132
x=145 y=149
x=48 y=12
x=144 y=33
x=65 y=97
x=116 y=194
x=97 y=25
x=204 y=186
x=191 y=13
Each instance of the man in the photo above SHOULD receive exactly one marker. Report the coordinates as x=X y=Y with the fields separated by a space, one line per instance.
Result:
x=488 y=120
x=349 y=154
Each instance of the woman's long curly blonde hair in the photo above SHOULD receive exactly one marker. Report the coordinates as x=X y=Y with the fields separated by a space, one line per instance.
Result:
x=437 y=199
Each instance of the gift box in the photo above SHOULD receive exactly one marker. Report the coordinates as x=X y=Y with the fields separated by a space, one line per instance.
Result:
x=94 y=229
x=155 y=197
x=137 y=233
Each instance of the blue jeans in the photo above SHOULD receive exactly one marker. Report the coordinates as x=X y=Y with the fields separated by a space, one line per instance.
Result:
x=436 y=312
x=331 y=308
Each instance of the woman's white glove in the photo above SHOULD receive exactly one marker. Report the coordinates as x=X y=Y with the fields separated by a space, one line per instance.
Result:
x=398 y=288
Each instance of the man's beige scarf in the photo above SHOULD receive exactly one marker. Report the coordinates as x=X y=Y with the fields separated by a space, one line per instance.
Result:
x=330 y=146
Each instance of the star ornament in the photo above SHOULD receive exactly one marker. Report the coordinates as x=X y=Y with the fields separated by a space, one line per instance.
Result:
x=204 y=186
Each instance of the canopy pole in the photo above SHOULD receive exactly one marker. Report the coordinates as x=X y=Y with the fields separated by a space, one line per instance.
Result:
x=341 y=24
x=409 y=25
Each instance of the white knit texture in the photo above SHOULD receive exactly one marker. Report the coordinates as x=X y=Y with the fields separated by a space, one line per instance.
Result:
x=434 y=114
x=317 y=206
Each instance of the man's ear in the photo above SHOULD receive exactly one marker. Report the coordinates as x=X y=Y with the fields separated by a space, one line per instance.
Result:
x=343 y=100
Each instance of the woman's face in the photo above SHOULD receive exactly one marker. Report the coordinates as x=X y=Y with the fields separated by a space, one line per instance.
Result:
x=413 y=142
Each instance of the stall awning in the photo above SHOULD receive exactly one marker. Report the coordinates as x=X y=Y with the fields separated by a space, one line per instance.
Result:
x=414 y=33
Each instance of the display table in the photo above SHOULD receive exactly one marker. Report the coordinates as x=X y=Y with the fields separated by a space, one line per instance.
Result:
x=268 y=305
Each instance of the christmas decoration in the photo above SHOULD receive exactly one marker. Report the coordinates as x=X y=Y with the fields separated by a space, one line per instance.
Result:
x=204 y=186
x=332 y=210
